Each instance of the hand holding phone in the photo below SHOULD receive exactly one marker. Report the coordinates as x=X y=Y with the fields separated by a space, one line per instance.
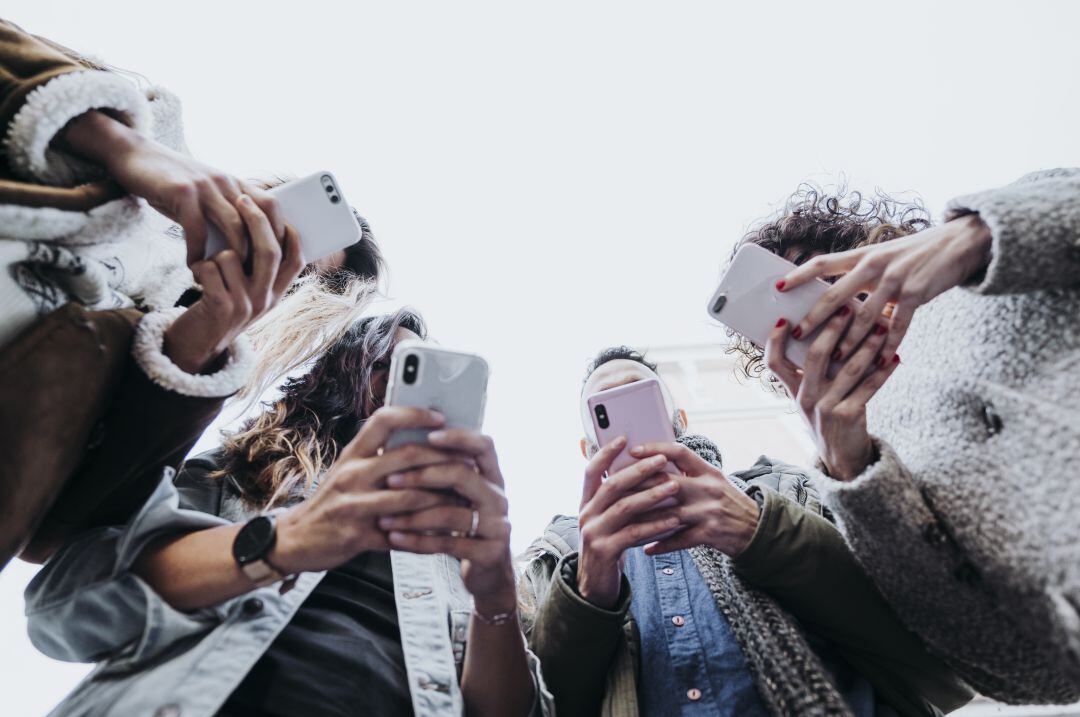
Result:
x=316 y=209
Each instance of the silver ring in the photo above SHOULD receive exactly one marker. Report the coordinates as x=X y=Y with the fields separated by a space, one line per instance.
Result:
x=475 y=523
x=456 y=534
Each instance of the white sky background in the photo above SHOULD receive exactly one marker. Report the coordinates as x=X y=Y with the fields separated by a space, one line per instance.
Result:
x=545 y=182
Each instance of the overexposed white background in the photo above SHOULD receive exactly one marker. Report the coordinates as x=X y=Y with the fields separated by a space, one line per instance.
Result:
x=549 y=179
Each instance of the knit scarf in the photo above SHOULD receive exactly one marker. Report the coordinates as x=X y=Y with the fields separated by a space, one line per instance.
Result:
x=790 y=678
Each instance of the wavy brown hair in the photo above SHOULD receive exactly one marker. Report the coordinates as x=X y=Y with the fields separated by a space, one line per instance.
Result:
x=815 y=221
x=287 y=447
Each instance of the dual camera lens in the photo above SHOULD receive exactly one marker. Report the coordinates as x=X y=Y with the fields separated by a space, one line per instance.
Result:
x=412 y=368
x=601 y=416
x=331 y=191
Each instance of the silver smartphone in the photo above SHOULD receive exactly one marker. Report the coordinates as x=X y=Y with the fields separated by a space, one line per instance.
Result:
x=453 y=383
x=315 y=207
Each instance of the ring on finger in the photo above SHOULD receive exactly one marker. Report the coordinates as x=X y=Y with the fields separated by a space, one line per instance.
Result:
x=475 y=523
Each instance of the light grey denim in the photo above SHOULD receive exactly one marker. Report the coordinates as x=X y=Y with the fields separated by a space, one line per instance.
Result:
x=86 y=605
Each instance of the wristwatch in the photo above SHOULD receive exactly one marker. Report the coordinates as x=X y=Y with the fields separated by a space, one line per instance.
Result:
x=251 y=546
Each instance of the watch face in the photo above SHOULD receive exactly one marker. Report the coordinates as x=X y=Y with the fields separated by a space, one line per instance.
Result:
x=254 y=540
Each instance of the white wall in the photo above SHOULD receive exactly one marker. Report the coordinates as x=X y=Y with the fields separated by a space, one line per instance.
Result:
x=550 y=179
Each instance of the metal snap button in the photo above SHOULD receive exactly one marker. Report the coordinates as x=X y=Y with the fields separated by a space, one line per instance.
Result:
x=992 y=420
x=170 y=710
x=668 y=571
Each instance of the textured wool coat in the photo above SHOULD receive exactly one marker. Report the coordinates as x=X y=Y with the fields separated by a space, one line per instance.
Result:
x=969 y=522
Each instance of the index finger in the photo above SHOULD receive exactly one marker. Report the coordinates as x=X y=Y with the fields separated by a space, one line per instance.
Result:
x=684 y=459
x=820 y=267
x=471 y=443
x=597 y=466
x=292 y=262
x=377 y=429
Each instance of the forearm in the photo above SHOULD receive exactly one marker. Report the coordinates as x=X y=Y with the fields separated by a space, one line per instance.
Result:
x=496 y=680
x=196 y=570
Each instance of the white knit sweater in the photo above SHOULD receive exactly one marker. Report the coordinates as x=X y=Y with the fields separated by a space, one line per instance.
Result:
x=970 y=521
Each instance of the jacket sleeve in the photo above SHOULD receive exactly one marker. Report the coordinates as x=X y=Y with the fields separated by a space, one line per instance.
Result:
x=41 y=90
x=86 y=604
x=801 y=560
x=156 y=415
x=575 y=641
x=907 y=549
x=1035 y=225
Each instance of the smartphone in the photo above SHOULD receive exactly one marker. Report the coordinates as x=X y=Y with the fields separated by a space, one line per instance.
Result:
x=637 y=411
x=748 y=302
x=315 y=207
x=453 y=383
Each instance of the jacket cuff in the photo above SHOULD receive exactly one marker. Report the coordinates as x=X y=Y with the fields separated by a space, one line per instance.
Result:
x=49 y=108
x=756 y=561
x=149 y=355
x=1032 y=222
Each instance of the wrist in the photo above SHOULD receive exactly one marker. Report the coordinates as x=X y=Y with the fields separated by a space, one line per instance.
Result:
x=99 y=138
x=496 y=602
x=287 y=555
x=598 y=592
x=975 y=236
x=746 y=521
x=192 y=354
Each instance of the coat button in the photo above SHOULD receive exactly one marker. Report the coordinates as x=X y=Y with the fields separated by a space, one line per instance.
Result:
x=167 y=711
x=678 y=621
x=693 y=694
x=668 y=571
x=992 y=420
x=252 y=606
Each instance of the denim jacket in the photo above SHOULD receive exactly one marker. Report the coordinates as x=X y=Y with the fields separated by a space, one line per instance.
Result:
x=86 y=605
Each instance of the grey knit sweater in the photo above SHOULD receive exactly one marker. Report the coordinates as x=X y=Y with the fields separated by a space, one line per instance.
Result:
x=969 y=522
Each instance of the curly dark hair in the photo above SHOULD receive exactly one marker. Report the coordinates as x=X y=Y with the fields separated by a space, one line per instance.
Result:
x=614 y=353
x=299 y=435
x=815 y=221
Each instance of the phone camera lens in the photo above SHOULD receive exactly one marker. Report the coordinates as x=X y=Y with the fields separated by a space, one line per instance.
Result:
x=601 y=416
x=412 y=368
x=329 y=187
x=335 y=198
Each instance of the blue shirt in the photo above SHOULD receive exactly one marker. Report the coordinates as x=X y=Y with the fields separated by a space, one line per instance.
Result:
x=690 y=658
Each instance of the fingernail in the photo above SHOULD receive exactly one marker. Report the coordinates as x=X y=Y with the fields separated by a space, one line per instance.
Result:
x=437 y=436
x=780 y=285
x=879 y=330
x=672 y=521
x=619 y=441
x=671 y=487
x=395 y=536
x=386 y=523
x=796 y=333
x=436 y=416
x=879 y=361
x=637 y=450
x=395 y=480
x=844 y=310
x=244 y=199
x=837 y=355
x=781 y=322
x=896 y=358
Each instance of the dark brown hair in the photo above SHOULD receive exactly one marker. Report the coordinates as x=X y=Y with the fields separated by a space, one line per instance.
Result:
x=299 y=435
x=815 y=221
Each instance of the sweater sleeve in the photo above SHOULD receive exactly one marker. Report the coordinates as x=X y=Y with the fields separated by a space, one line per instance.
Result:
x=800 y=559
x=1035 y=229
x=41 y=90
x=906 y=547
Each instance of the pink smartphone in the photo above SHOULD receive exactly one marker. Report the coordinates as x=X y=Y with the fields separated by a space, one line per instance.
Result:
x=748 y=302
x=637 y=411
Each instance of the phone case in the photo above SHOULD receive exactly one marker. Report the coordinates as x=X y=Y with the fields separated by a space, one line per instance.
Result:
x=451 y=382
x=748 y=302
x=307 y=205
x=637 y=411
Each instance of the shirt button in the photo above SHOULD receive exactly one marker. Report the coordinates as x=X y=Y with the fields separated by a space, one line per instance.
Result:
x=693 y=694
x=252 y=606
x=169 y=710
x=678 y=621
x=668 y=571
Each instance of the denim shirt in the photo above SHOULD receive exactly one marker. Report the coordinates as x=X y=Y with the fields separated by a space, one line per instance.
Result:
x=86 y=605
x=691 y=663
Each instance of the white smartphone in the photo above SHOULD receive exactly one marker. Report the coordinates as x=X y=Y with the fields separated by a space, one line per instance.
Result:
x=748 y=302
x=453 y=383
x=316 y=208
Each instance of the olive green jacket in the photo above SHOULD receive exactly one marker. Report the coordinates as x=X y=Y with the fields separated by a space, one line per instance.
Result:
x=590 y=655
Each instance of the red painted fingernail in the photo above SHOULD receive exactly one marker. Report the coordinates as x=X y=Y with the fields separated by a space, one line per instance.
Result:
x=781 y=322
x=844 y=310
x=836 y=355
x=896 y=358
x=879 y=361
x=879 y=330
x=780 y=285
x=796 y=333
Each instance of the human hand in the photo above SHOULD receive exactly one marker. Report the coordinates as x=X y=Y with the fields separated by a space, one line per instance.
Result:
x=714 y=511
x=906 y=272
x=835 y=408
x=478 y=534
x=618 y=514
x=339 y=520
x=232 y=300
x=183 y=189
